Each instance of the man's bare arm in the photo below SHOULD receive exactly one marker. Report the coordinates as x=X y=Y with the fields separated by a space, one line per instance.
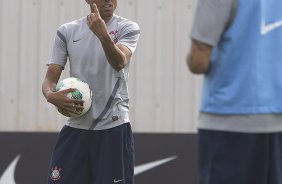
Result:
x=52 y=76
x=198 y=59
x=118 y=55
x=59 y=99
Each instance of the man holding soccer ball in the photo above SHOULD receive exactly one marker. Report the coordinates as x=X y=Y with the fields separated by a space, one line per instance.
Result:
x=98 y=146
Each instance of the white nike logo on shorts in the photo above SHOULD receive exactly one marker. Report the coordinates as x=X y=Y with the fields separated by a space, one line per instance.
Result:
x=117 y=181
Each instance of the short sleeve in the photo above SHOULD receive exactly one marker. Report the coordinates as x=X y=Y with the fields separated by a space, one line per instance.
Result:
x=211 y=19
x=59 y=51
x=129 y=35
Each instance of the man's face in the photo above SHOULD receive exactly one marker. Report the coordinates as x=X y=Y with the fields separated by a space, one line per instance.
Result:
x=106 y=7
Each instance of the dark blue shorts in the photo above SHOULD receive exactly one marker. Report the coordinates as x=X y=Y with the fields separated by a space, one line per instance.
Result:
x=93 y=157
x=239 y=158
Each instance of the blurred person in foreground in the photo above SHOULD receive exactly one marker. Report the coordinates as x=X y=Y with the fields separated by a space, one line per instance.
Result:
x=237 y=46
x=98 y=146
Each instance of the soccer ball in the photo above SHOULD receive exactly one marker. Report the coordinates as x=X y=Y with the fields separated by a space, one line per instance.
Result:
x=82 y=92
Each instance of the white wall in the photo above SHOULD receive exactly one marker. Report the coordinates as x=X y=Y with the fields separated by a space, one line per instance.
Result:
x=164 y=95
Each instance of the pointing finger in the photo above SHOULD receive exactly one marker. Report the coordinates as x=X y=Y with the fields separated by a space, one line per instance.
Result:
x=93 y=8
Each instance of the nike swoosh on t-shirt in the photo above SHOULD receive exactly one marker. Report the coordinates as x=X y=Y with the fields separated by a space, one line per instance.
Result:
x=266 y=28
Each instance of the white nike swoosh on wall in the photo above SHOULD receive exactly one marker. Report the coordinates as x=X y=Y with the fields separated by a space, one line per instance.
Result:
x=145 y=167
x=8 y=177
x=266 y=28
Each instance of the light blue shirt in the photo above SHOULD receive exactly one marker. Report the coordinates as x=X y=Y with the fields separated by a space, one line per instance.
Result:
x=245 y=77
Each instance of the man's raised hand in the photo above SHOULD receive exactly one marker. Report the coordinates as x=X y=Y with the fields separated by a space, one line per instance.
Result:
x=95 y=23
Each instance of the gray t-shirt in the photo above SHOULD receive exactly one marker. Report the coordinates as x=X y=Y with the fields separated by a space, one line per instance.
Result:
x=211 y=20
x=76 y=43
